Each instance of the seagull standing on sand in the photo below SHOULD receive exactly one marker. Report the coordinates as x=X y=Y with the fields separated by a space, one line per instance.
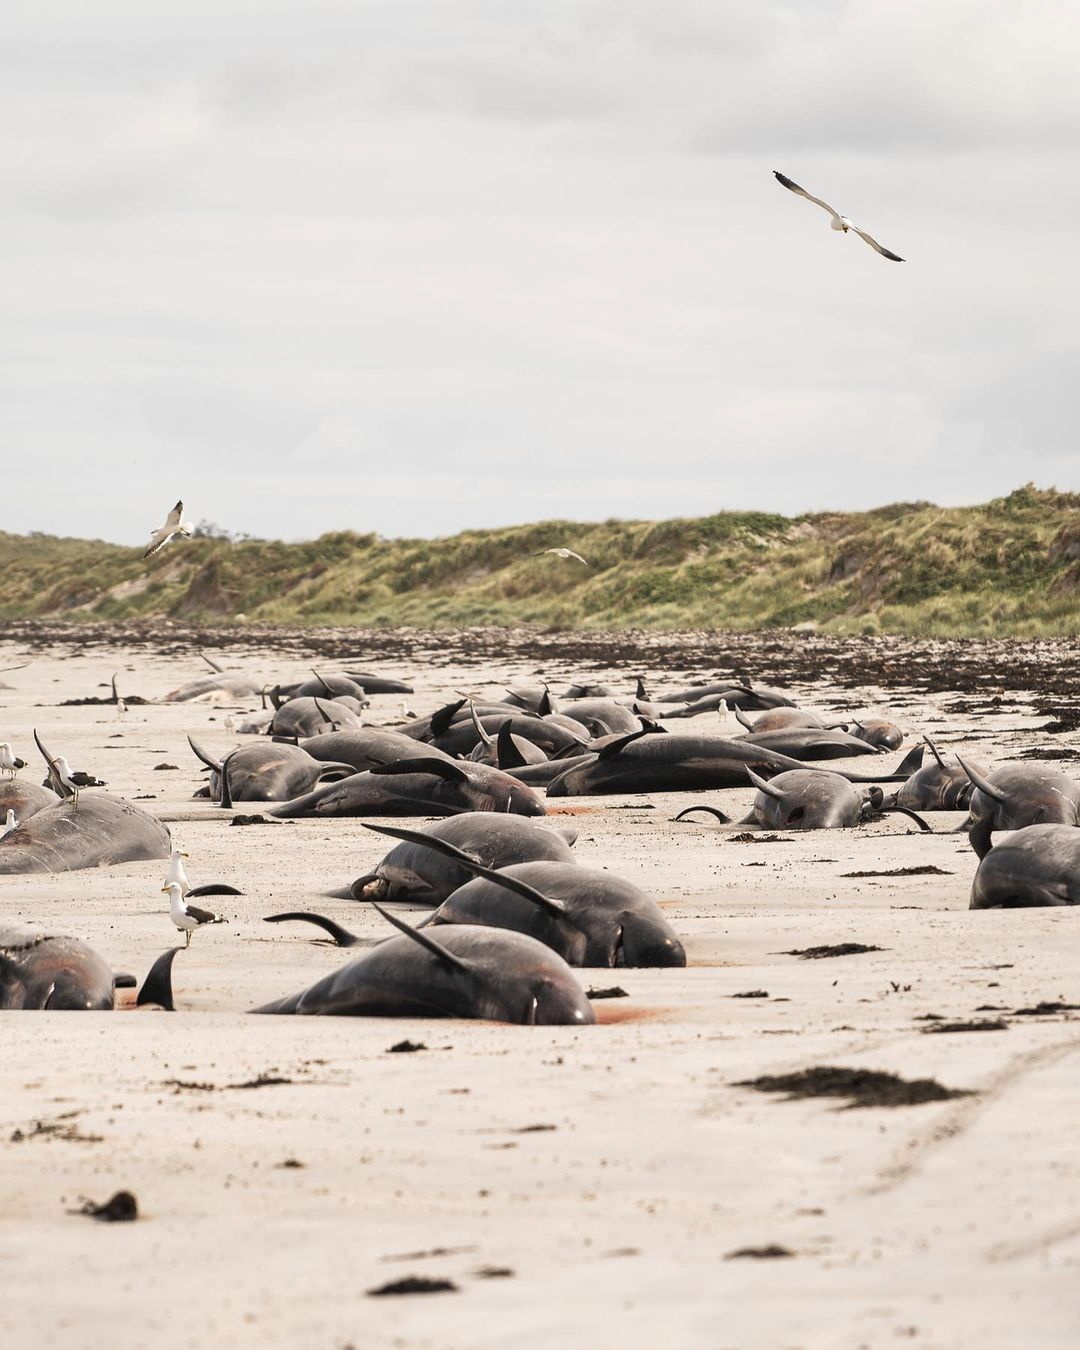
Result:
x=9 y=761
x=176 y=874
x=562 y=553
x=187 y=917
x=173 y=526
x=10 y=824
x=838 y=222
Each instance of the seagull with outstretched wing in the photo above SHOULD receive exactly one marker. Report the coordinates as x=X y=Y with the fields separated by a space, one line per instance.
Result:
x=838 y=222
x=174 y=525
x=562 y=553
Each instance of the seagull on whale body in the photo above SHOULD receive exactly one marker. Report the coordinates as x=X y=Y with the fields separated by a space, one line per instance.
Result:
x=9 y=760
x=174 y=525
x=9 y=824
x=838 y=222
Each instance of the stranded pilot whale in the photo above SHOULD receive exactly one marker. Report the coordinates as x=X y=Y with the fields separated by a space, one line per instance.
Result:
x=588 y=916
x=49 y=972
x=1018 y=795
x=467 y=971
x=416 y=874
x=1038 y=865
x=267 y=771
x=103 y=829
x=645 y=762
x=810 y=799
x=423 y=787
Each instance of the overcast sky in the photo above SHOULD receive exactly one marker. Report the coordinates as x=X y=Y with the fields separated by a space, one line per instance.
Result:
x=417 y=265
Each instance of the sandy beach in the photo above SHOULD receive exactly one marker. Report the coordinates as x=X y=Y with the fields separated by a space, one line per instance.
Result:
x=588 y=1187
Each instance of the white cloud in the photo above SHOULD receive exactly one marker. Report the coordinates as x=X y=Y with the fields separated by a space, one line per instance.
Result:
x=414 y=265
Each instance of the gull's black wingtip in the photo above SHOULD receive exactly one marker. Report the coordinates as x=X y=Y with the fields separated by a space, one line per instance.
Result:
x=785 y=181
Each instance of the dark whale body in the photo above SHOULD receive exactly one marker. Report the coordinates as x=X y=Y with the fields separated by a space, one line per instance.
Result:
x=104 y=830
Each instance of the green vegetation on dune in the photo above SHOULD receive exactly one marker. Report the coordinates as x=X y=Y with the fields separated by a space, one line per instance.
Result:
x=1010 y=567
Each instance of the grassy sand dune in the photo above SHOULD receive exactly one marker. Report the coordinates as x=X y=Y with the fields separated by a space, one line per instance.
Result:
x=1009 y=567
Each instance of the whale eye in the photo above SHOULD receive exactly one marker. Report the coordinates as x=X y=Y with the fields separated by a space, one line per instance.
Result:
x=796 y=814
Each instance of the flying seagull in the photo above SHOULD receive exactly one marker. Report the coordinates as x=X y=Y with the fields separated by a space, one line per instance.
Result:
x=839 y=222
x=187 y=917
x=562 y=553
x=173 y=526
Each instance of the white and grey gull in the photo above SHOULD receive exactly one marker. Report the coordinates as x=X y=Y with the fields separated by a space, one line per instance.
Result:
x=838 y=222
x=187 y=917
x=9 y=760
x=174 y=526
x=562 y=553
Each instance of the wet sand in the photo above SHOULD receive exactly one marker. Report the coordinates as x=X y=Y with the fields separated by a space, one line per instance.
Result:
x=579 y=1186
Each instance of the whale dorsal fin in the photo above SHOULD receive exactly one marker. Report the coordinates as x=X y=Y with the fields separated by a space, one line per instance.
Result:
x=521 y=888
x=763 y=786
x=442 y=717
x=983 y=784
x=435 y=948
x=206 y=757
x=157 y=987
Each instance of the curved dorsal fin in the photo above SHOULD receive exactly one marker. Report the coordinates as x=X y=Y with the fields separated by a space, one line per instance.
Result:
x=934 y=751
x=712 y=810
x=435 y=948
x=614 y=748
x=983 y=784
x=911 y=762
x=743 y=720
x=212 y=664
x=544 y=707
x=54 y=772
x=481 y=730
x=157 y=987
x=509 y=756
x=762 y=786
x=442 y=718
x=326 y=713
x=226 y=800
x=329 y=691
x=521 y=888
x=204 y=755
x=341 y=936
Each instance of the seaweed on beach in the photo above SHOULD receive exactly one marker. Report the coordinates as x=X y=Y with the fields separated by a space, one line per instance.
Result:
x=860 y=1087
